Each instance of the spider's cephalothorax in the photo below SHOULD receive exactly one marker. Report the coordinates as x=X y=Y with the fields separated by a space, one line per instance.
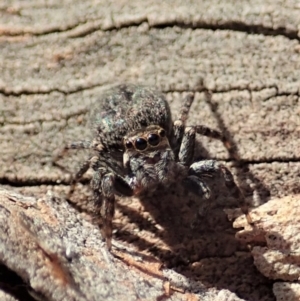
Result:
x=138 y=149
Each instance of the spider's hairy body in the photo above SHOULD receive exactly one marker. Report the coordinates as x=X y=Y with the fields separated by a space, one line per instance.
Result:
x=139 y=149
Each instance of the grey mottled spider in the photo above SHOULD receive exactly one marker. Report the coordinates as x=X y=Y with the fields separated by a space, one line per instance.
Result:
x=138 y=149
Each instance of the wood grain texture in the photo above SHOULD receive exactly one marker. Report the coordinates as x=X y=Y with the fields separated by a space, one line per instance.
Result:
x=57 y=58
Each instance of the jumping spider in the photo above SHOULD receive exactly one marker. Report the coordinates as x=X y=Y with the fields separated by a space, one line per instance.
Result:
x=138 y=149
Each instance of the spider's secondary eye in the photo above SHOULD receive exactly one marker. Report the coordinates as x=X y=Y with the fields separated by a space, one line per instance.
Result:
x=128 y=144
x=140 y=144
x=153 y=139
x=162 y=133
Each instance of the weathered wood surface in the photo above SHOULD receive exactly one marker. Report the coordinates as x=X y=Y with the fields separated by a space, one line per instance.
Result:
x=57 y=57
x=275 y=238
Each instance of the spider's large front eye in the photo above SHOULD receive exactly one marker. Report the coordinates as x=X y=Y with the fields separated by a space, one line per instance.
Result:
x=140 y=144
x=153 y=139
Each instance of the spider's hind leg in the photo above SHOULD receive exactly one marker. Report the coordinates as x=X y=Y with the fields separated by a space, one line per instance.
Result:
x=82 y=144
x=83 y=169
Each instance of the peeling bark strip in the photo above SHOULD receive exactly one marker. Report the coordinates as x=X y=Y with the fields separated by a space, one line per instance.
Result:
x=55 y=61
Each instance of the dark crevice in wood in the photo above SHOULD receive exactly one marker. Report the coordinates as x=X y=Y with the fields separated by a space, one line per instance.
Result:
x=231 y=25
x=45 y=31
x=222 y=25
x=265 y=160
x=237 y=26
x=46 y=92
x=30 y=183
x=195 y=90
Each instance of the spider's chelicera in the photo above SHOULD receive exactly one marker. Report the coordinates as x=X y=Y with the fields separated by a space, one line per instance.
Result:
x=138 y=149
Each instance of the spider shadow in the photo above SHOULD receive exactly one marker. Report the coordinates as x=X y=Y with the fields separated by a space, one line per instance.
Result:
x=197 y=243
x=260 y=193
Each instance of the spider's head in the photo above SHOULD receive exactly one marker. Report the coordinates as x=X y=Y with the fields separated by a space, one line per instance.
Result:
x=149 y=159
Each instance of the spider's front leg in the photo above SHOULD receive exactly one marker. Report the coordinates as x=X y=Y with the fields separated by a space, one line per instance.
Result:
x=106 y=184
x=198 y=171
x=179 y=128
x=179 y=123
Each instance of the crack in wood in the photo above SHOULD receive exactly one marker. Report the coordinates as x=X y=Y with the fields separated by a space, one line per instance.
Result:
x=195 y=90
x=90 y=27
